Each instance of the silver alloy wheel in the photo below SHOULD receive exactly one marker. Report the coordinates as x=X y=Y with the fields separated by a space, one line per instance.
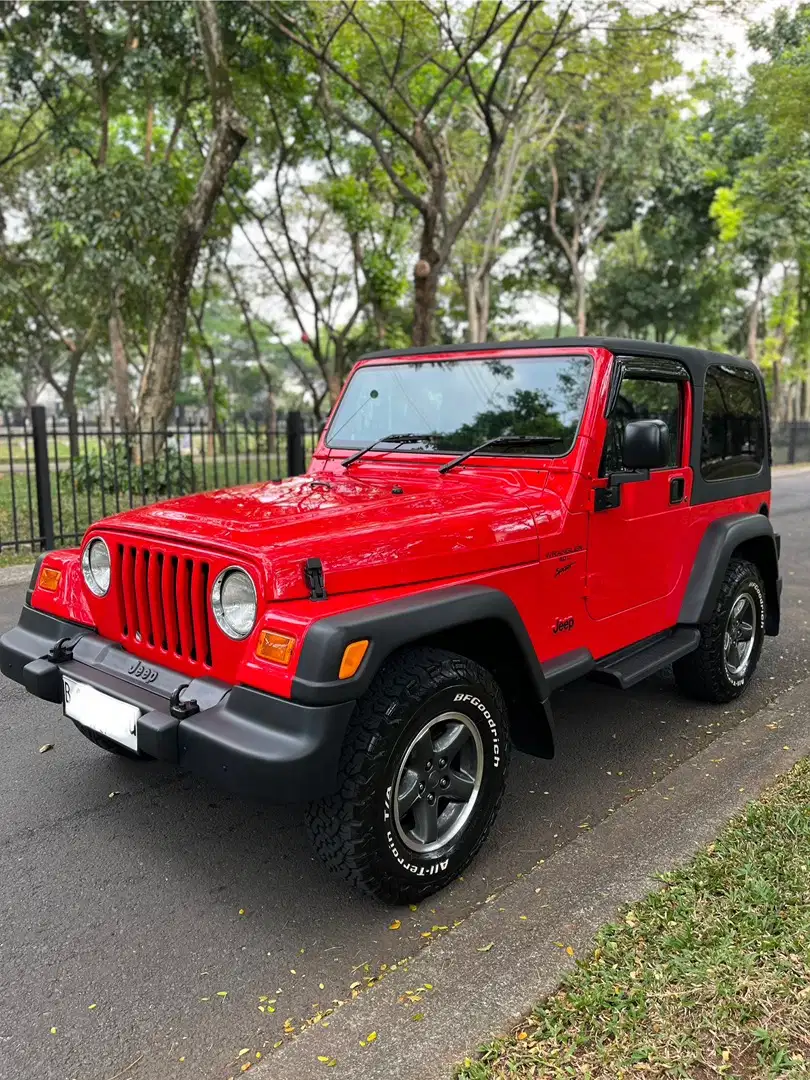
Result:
x=740 y=635
x=438 y=782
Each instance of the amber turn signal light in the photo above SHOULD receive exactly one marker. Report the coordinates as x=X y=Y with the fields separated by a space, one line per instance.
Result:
x=352 y=658
x=49 y=578
x=275 y=647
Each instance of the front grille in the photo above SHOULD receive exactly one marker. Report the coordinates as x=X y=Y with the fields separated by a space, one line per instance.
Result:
x=163 y=599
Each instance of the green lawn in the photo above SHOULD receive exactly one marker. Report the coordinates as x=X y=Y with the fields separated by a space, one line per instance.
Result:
x=708 y=977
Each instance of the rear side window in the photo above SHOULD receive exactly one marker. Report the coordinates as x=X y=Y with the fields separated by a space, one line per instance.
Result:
x=733 y=435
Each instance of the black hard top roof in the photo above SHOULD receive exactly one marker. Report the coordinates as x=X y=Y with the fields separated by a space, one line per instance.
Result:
x=696 y=360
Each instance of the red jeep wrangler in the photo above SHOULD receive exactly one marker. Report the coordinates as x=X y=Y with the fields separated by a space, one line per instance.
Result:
x=479 y=526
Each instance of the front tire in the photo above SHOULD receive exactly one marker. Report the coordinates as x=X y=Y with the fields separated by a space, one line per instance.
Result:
x=421 y=777
x=724 y=662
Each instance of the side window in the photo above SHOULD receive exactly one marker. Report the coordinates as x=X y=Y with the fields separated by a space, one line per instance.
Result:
x=643 y=398
x=733 y=432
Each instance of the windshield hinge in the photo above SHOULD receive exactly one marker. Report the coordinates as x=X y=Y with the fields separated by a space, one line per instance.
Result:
x=313 y=576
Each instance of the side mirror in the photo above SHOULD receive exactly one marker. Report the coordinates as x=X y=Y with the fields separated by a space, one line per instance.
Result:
x=646 y=445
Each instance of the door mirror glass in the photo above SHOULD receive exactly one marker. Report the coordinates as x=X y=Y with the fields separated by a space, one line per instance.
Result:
x=646 y=445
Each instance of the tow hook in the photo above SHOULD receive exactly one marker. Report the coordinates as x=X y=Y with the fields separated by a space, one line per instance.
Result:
x=181 y=710
x=62 y=651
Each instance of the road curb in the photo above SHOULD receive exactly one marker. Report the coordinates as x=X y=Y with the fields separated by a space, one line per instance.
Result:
x=16 y=575
x=791 y=470
x=488 y=972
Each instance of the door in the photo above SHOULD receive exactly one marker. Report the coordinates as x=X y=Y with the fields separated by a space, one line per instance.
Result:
x=635 y=548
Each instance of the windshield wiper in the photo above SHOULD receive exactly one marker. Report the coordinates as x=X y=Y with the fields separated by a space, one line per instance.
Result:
x=400 y=440
x=501 y=440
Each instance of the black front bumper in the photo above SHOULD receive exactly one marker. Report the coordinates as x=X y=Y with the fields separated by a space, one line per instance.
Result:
x=244 y=739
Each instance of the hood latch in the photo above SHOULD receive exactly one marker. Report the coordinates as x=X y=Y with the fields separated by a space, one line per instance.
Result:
x=313 y=576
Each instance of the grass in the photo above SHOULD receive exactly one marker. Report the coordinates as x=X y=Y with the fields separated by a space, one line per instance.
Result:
x=708 y=977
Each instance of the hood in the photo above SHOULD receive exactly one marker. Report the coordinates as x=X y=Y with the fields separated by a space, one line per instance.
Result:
x=368 y=533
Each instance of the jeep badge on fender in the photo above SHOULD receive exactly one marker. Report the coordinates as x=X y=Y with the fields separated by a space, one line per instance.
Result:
x=479 y=525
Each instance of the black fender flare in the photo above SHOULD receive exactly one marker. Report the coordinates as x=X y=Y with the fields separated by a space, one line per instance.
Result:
x=390 y=625
x=754 y=533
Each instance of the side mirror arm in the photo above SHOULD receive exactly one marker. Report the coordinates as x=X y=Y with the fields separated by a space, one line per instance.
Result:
x=631 y=476
x=608 y=498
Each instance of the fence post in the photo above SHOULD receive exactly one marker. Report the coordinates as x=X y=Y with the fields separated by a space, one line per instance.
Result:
x=794 y=424
x=42 y=474
x=296 y=461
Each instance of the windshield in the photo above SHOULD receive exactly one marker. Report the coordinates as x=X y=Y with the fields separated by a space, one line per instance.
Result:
x=462 y=403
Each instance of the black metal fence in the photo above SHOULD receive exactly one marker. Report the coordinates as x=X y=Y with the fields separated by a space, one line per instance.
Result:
x=791 y=442
x=57 y=477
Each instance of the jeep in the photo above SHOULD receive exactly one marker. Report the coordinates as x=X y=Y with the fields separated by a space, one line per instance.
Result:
x=479 y=525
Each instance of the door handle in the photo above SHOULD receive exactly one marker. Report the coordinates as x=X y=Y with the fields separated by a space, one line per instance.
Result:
x=677 y=489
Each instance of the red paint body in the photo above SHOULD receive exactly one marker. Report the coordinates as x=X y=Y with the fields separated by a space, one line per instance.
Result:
x=515 y=524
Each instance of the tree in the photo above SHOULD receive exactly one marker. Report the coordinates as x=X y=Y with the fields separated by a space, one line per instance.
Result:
x=483 y=242
x=765 y=212
x=426 y=74
x=161 y=374
x=589 y=184
x=325 y=233
x=670 y=274
x=119 y=200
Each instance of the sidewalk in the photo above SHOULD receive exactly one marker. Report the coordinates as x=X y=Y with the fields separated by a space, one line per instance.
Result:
x=706 y=976
x=481 y=977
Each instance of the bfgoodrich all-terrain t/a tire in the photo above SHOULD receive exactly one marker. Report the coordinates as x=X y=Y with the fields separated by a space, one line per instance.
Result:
x=421 y=777
x=730 y=642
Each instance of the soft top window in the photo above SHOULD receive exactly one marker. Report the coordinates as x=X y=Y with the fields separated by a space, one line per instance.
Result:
x=733 y=432
x=458 y=404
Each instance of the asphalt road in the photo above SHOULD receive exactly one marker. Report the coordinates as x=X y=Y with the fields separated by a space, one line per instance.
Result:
x=133 y=897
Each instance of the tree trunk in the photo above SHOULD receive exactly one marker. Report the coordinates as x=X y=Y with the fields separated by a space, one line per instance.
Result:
x=120 y=364
x=425 y=287
x=753 y=322
x=425 y=282
x=335 y=387
x=478 y=306
x=483 y=328
x=579 y=282
x=149 y=134
x=776 y=392
x=69 y=409
x=272 y=420
x=472 y=310
x=161 y=374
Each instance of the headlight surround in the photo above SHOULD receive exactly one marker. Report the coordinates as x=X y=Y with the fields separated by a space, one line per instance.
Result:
x=234 y=603
x=96 y=567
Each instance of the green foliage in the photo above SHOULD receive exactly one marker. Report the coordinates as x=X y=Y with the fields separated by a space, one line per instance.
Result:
x=682 y=202
x=108 y=469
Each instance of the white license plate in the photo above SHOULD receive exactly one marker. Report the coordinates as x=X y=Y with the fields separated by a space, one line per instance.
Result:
x=102 y=712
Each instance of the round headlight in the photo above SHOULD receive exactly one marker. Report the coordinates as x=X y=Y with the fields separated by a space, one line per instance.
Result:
x=96 y=567
x=233 y=601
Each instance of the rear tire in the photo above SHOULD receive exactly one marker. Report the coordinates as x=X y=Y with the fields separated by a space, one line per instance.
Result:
x=109 y=745
x=421 y=777
x=724 y=662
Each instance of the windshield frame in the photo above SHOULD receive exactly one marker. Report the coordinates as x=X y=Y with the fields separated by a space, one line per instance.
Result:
x=423 y=449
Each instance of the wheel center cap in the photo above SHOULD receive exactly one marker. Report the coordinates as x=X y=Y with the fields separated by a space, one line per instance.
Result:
x=433 y=780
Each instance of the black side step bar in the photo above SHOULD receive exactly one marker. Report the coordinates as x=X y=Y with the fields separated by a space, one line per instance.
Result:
x=630 y=666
